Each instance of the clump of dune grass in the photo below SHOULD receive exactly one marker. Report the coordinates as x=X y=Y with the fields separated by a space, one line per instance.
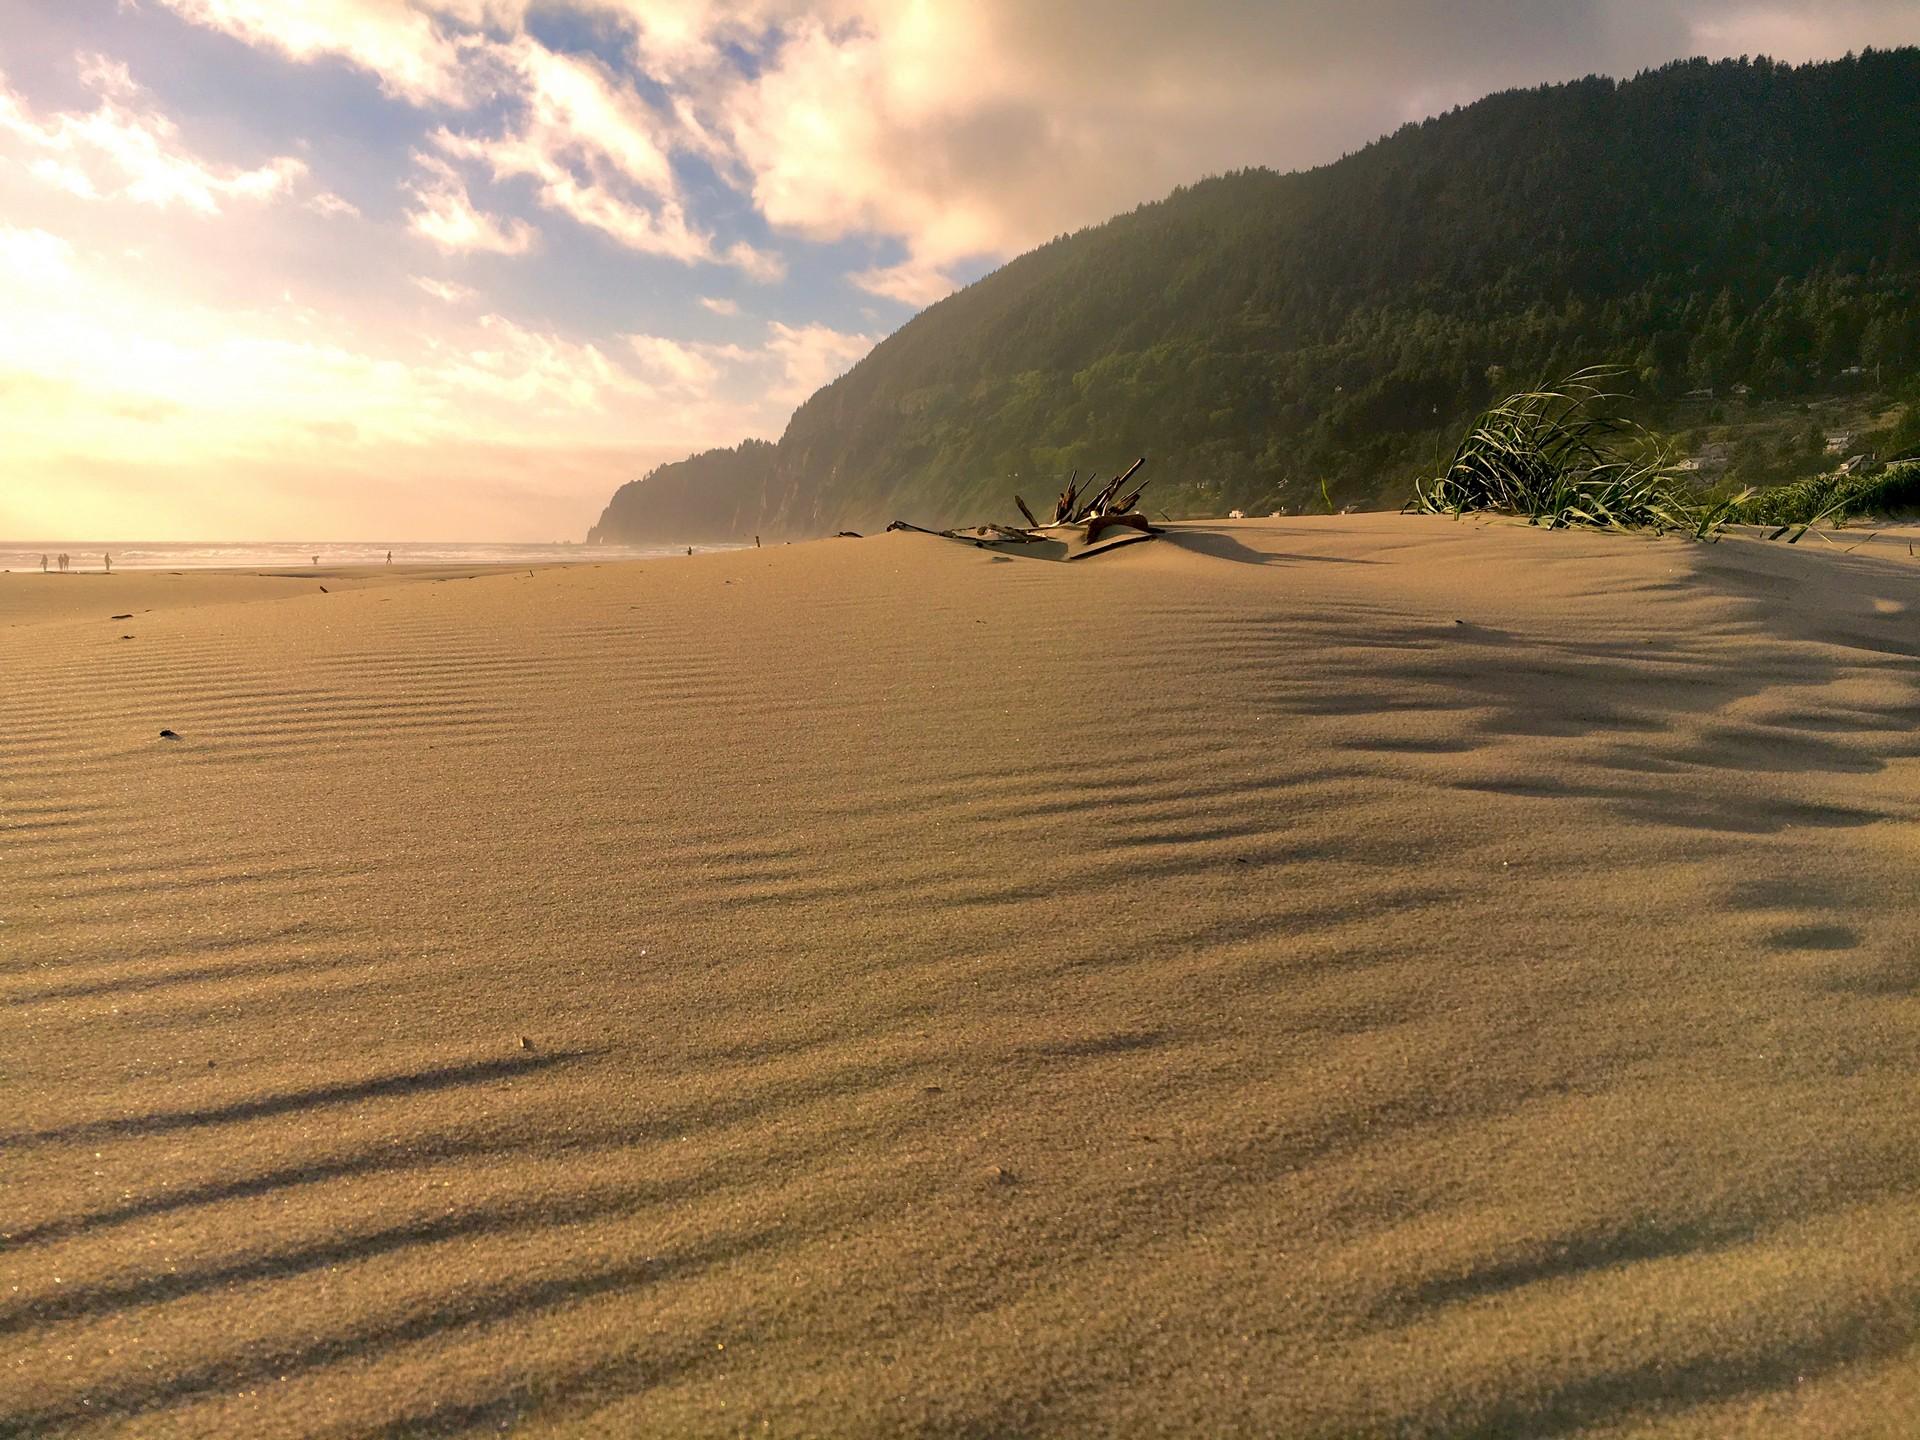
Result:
x=1564 y=456
x=1830 y=499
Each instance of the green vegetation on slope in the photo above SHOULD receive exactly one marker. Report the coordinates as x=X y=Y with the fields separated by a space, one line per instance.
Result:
x=1827 y=499
x=1706 y=226
x=1563 y=457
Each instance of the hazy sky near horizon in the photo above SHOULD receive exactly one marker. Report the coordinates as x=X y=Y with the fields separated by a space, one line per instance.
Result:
x=416 y=269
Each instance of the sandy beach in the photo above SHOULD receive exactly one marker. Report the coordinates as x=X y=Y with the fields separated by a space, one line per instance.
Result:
x=1371 y=975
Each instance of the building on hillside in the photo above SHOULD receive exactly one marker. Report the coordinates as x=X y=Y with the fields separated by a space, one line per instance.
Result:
x=1709 y=462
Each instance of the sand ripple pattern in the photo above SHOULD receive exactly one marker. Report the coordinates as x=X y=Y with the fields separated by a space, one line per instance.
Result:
x=1364 y=977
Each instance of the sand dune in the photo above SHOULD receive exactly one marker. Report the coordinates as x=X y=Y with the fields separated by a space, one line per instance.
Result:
x=1372 y=975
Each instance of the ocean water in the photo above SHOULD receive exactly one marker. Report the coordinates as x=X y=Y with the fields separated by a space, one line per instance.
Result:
x=84 y=555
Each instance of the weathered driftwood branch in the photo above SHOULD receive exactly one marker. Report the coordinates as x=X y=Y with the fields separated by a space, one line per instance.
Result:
x=1100 y=511
x=1063 y=507
x=1099 y=524
x=1102 y=502
x=1072 y=509
x=982 y=534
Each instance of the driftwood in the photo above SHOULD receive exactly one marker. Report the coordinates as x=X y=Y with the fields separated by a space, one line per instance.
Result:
x=1100 y=511
x=1068 y=513
x=1102 y=523
x=979 y=535
x=1106 y=510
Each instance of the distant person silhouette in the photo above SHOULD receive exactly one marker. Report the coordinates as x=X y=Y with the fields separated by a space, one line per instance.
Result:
x=108 y=559
x=43 y=564
x=63 y=563
x=389 y=557
x=316 y=562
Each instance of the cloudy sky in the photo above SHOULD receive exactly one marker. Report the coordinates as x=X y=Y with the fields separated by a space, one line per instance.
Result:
x=410 y=269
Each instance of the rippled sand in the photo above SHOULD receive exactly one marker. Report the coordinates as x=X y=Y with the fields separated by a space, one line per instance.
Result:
x=1367 y=976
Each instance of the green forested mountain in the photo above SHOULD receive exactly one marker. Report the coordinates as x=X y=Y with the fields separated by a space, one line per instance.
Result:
x=1739 y=223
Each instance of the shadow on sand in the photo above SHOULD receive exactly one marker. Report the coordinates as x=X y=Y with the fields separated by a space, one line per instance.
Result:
x=1221 y=546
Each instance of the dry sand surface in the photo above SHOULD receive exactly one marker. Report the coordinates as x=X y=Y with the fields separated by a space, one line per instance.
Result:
x=1366 y=976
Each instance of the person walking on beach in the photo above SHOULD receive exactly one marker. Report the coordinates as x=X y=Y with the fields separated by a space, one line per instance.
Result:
x=389 y=557
x=109 y=562
x=63 y=563
x=43 y=564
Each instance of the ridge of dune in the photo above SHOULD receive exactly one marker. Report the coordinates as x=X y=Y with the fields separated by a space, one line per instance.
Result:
x=1368 y=975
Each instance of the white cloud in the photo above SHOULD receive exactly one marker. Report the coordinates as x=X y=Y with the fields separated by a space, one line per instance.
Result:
x=762 y=266
x=446 y=215
x=389 y=39
x=598 y=153
x=675 y=364
x=531 y=368
x=719 y=305
x=63 y=176
x=34 y=256
x=826 y=131
x=662 y=230
x=809 y=356
x=974 y=130
x=125 y=148
x=912 y=282
x=448 y=292
x=574 y=103
x=596 y=150
x=333 y=206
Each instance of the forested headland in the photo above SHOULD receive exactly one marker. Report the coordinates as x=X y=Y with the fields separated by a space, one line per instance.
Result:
x=1742 y=236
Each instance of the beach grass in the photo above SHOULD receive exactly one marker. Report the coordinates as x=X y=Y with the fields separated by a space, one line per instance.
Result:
x=1823 y=499
x=1563 y=456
